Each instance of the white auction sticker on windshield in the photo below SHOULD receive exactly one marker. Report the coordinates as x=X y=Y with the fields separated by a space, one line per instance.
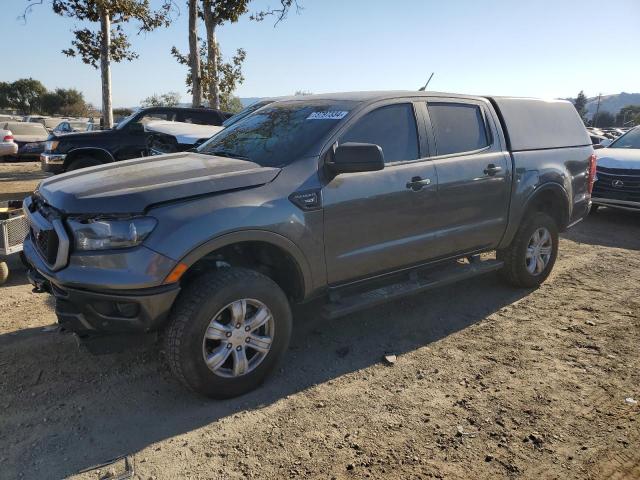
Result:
x=327 y=115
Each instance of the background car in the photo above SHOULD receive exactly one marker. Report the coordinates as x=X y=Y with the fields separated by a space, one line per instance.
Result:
x=30 y=138
x=72 y=151
x=8 y=147
x=618 y=174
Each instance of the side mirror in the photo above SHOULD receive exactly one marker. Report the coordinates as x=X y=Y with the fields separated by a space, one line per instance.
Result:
x=357 y=157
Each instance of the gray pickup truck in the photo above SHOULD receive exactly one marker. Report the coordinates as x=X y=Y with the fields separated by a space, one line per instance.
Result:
x=356 y=198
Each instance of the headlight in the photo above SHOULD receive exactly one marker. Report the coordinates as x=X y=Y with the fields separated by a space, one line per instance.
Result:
x=51 y=145
x=108 y=233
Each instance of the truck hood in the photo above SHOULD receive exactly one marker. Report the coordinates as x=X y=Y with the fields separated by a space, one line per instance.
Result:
x=131 y=186
x=624 y=158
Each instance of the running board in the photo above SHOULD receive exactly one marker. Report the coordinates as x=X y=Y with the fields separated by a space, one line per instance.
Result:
x=416 y=283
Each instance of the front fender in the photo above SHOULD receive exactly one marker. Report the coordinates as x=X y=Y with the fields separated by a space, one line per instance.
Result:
x=252 y=235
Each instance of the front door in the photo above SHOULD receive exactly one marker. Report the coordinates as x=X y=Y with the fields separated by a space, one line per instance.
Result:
x=378 y=221
x=133 y=140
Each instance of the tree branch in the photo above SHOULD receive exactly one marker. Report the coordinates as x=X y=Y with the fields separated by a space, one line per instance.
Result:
x=27 y=10
x=279 y=13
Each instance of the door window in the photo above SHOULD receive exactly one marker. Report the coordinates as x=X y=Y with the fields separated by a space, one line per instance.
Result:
x=457 y=127
x=393 y=128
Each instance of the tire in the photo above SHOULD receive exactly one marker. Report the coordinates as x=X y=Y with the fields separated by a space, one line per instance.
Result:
x=516 y=270
x=4 y=272
x=206 y=299
x=594 y=209
x=83 y=162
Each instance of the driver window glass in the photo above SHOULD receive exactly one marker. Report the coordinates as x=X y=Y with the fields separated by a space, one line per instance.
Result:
x=393 y=128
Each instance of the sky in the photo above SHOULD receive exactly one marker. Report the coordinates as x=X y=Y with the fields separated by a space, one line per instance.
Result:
x=539 y=48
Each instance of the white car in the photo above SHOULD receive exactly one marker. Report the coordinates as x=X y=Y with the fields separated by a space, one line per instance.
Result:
x=171 y=137
x=29 y=136
x=7 y=146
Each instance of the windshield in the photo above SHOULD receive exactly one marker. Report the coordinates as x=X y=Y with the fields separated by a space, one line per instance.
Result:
x=245 y=112
x=123 y=123
x=631 y=139
x=278 y=134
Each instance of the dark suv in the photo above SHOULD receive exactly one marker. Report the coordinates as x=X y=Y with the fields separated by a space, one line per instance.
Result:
x=128 y=139
x=354 y=198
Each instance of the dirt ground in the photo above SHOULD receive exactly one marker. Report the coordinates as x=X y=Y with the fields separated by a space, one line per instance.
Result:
x=490 y=382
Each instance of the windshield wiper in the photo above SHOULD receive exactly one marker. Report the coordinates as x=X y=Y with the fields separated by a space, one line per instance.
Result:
x=227 y=154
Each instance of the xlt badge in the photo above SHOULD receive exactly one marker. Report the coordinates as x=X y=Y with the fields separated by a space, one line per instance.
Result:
x=307 y=200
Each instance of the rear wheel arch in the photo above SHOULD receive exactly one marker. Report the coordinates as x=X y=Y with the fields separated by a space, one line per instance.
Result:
x=269 y=253
x=551 y=199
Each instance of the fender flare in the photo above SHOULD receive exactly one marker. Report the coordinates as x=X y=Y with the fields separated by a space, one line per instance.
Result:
x=89 y=149
x=514 y=223
x=265 y=236
x=556 y=188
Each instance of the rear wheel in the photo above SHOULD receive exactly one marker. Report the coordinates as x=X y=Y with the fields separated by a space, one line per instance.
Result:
x=227 y=332
x=83 y=162
x=529 y=259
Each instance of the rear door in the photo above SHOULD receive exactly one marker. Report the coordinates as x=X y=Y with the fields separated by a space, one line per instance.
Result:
x=381 y=221
x=474 y=174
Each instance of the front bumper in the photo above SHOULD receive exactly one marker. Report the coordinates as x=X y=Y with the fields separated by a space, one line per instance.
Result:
x=52 y=162
x=621 y=204
x=90 y=313
x=107 y=293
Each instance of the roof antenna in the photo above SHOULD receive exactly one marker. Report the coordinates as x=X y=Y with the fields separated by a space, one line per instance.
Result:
x=422 y=89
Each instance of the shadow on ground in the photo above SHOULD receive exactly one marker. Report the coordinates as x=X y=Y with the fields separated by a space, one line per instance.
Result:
x=603 y=228
x=85 y=409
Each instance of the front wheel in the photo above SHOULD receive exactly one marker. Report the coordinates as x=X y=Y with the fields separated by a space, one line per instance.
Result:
x=529 y=259
x=227 y=332
x=83 y=162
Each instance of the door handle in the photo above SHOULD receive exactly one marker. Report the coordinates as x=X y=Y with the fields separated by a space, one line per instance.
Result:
x=418 y=183
x=492 y=169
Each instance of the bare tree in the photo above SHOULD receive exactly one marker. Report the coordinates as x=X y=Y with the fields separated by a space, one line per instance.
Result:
x=194 y=56
x=210 y=75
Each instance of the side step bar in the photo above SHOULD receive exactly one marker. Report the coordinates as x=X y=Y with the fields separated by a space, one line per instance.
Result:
x=416 y=283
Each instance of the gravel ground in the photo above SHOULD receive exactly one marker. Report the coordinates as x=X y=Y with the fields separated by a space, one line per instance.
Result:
x=489 y=382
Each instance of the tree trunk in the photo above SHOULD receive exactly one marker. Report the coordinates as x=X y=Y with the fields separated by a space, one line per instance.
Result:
x=212 y=56
x=194 y=55
x=105 y=68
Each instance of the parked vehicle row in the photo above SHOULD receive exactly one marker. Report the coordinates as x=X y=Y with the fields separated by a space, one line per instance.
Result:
x=602 y=137
x=355 y=198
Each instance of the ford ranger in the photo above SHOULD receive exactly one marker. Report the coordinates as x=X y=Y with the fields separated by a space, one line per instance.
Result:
x=356 y=198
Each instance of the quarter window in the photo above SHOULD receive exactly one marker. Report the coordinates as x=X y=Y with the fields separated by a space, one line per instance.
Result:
x=457 y=127
x=393 y=128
